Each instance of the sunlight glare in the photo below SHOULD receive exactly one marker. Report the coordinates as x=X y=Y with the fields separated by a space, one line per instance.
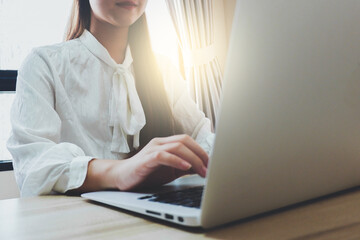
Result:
x=162 y=33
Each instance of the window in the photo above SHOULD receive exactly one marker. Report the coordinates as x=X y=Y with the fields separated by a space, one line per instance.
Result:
x=7 y=86
x=27 y=24
x=162 y=33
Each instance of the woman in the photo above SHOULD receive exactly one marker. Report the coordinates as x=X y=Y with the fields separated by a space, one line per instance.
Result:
x=101 y=96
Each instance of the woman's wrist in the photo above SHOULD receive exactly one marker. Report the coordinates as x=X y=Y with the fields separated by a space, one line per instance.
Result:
x=121 y=175
x=99 y=176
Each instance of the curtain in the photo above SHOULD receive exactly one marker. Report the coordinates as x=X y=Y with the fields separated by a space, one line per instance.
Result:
x=193 y=22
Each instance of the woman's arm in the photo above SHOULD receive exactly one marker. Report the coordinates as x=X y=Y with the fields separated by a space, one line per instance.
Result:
x=161 y=161
x=42 y=164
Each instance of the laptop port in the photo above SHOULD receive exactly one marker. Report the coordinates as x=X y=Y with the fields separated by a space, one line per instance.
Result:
x=154 y=213
x=181 y=219
x=169 y=216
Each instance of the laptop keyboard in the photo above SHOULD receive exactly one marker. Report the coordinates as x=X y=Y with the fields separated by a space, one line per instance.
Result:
x=190 y=197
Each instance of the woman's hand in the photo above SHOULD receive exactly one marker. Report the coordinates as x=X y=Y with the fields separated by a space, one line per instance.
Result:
x=161 y=161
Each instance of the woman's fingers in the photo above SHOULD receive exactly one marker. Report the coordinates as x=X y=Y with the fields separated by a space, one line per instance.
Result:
x=182 y=151
x=188 y=142
x=167 y=159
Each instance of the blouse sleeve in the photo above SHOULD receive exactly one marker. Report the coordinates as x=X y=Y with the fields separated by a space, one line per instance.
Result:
x=42 y=164
x=186 y=113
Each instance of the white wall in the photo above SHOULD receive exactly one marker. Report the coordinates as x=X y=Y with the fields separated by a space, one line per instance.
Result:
x=8 y=187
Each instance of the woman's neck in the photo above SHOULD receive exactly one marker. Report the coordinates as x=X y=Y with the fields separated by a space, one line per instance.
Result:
x=114 y=39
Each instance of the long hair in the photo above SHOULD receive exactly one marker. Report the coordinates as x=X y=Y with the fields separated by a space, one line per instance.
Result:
x=79 y=19
x=148 y=78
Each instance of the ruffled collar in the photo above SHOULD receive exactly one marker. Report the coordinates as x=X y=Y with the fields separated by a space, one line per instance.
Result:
x=127 y=116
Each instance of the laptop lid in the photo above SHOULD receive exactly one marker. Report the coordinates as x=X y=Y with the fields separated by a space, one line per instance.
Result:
x=289 y=128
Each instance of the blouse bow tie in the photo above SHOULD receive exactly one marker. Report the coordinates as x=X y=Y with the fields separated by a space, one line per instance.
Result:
x=127 y=116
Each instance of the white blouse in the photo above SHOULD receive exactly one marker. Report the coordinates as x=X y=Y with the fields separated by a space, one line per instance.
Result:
x=74 y=103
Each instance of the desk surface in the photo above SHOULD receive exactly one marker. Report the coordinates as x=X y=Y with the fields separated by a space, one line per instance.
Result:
x=63 y=217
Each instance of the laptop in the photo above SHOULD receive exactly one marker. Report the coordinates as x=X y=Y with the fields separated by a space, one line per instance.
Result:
x=289 y=127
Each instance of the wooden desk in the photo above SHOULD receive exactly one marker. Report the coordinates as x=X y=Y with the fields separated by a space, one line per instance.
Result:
x=62 y=217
